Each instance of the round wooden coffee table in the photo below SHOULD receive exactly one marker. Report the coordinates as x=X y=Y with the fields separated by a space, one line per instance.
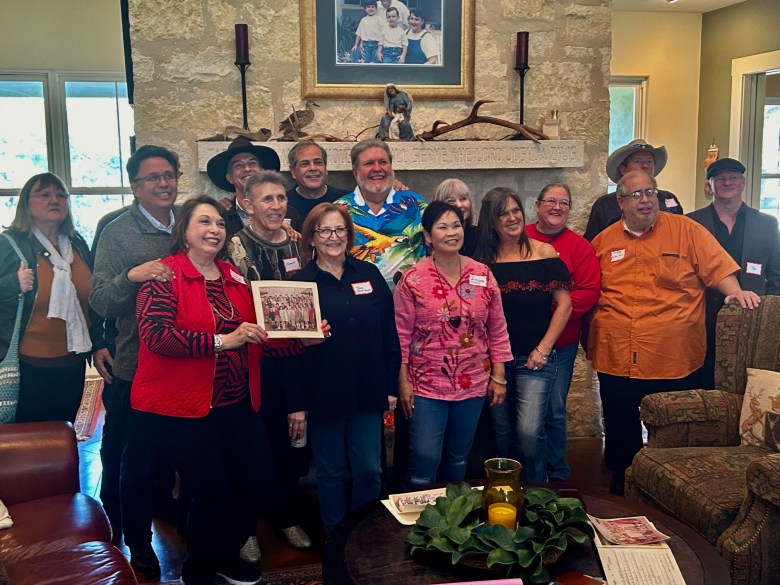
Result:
x=369 y=549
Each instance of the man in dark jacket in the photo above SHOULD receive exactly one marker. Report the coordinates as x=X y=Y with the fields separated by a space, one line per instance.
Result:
x=750 y=237
x=637 y=155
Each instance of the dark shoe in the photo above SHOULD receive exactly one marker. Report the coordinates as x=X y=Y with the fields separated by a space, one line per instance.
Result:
x=617 y=485
x=143 y=560
x=296 y=537
x=238 y=573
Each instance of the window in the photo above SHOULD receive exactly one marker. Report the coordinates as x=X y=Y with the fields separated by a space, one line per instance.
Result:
x=770 y=159
x=75 y=125
x=627 y=107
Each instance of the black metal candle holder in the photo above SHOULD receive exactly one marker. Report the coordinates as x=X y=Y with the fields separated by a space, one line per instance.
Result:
x=521 y=71
x=242 y=67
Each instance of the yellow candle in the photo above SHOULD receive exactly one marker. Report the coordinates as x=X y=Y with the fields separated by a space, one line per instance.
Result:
x=503 y=514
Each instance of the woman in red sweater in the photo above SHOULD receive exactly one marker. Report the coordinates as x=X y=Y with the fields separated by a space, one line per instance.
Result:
x=197 y=391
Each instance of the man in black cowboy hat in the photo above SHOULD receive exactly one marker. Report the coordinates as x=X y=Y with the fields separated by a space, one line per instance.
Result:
x=750 y=238
x=637 y=155
x=230 y=169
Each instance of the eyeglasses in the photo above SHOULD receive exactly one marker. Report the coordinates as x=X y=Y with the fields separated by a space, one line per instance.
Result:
x=506 y=214
x=638 y=194
x=168 y=177
x=552 y=202
x=326 y=233
x=46 y=196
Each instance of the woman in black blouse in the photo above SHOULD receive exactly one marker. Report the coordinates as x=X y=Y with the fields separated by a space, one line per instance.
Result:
x=534 y=285
x=350 y=380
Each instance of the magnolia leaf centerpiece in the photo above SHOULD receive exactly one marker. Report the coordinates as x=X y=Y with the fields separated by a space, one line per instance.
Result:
x=455 y=525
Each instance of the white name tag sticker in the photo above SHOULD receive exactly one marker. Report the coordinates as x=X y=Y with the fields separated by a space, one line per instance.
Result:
x=236 y=276
x=754 y=268
x=618 y=254
x=362 y=288
x=477 y=280
x=670 y=202
x=291 y=264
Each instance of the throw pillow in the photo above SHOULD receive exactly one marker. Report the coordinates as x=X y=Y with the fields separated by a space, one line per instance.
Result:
x=762 y=395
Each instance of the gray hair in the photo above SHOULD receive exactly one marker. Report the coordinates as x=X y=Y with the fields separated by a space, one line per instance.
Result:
x=292 y=156
x=262 y=178
x=364 y=145
x=621 y=184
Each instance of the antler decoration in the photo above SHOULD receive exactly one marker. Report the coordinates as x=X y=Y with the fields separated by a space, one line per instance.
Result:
x=440 y=127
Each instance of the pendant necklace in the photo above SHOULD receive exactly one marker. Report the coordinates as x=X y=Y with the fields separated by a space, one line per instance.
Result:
x=216 y=311
x=453 y=321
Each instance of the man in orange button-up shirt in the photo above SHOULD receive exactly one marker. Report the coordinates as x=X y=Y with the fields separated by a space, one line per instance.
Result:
x=647 y=333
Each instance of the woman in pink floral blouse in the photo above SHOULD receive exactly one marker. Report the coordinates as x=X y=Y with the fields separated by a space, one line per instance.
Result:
x=454 y=344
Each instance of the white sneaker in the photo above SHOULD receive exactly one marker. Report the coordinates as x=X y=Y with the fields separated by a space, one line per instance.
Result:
x=250 y=552
x=296 y=537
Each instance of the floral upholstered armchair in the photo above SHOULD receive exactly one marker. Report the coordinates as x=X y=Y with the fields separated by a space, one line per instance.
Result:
x=694 y=467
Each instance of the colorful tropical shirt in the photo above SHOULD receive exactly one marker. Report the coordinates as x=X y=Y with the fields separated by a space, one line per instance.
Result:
x=393 y=238
x=450 y=336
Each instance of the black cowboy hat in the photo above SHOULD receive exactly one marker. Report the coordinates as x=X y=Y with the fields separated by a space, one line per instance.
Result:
x=217 y=166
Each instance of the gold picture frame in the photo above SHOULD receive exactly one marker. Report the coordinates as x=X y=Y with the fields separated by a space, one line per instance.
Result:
x=323 y=76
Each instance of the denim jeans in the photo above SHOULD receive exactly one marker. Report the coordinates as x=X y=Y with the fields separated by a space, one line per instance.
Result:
x=369 y=52
x=519 y=422
x=350 y=441
x=555 y=421
x=391 y=54
x=440 y=436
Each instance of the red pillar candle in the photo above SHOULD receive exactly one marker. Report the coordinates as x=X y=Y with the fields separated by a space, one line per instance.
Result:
x=242 y=44
x=521 y=56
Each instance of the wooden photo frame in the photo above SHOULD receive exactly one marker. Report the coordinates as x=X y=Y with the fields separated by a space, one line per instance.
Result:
x=328 y=71
x=287 y=309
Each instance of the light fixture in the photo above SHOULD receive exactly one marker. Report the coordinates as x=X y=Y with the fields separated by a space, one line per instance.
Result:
x=672 y=1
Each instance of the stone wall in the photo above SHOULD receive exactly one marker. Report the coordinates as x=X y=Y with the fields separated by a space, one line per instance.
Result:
x=186 y=86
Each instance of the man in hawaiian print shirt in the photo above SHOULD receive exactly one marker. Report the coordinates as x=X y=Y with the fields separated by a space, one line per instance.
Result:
x=388 y=231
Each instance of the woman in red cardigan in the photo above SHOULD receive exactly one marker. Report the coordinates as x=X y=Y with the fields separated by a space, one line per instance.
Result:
x=197 y=391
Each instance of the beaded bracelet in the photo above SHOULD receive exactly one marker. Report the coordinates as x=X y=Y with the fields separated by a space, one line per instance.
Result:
x=498 y=380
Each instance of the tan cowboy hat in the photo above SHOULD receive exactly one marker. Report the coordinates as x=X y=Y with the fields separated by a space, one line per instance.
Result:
x=217 y=166
x=619 y=156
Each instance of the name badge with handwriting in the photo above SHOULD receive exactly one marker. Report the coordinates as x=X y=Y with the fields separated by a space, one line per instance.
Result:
x=236 y=276
x=670 y=202
x=362 y=288
x=291 y=264
x=618 y=254
x=477 y=280
x=754 y=268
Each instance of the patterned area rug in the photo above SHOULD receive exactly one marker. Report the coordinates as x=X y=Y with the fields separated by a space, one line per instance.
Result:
x=89 y=411
x=308 y=575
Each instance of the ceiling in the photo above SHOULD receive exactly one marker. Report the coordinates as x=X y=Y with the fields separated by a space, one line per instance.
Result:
x=664 y=6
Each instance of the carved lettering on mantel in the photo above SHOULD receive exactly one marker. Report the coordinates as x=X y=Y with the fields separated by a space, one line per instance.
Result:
x=442 y=155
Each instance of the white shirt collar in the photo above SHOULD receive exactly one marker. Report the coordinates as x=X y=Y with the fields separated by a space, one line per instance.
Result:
x=360 y=200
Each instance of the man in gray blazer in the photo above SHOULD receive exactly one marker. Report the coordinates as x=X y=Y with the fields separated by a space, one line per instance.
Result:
x=750 y=237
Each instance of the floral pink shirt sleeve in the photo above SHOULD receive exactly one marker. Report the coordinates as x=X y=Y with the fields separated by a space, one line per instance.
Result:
x=448 y=360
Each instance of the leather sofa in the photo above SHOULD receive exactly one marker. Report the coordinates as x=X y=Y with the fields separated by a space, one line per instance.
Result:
x=59 y=536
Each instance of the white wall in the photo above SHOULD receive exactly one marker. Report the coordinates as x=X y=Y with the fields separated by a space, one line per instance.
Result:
x=666 y=48
x=81 y=35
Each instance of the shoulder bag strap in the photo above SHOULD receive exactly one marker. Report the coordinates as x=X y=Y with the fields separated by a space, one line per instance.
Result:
x=13 y=347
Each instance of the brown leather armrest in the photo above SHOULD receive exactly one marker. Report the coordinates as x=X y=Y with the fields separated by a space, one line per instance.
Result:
x=37 y=460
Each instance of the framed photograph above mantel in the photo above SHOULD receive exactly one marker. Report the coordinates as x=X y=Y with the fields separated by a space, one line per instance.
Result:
x=337 y=63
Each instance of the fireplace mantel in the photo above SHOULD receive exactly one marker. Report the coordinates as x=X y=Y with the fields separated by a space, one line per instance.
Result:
x=441 y=155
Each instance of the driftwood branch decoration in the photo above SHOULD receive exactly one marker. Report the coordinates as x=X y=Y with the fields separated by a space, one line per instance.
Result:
x=441 y=127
